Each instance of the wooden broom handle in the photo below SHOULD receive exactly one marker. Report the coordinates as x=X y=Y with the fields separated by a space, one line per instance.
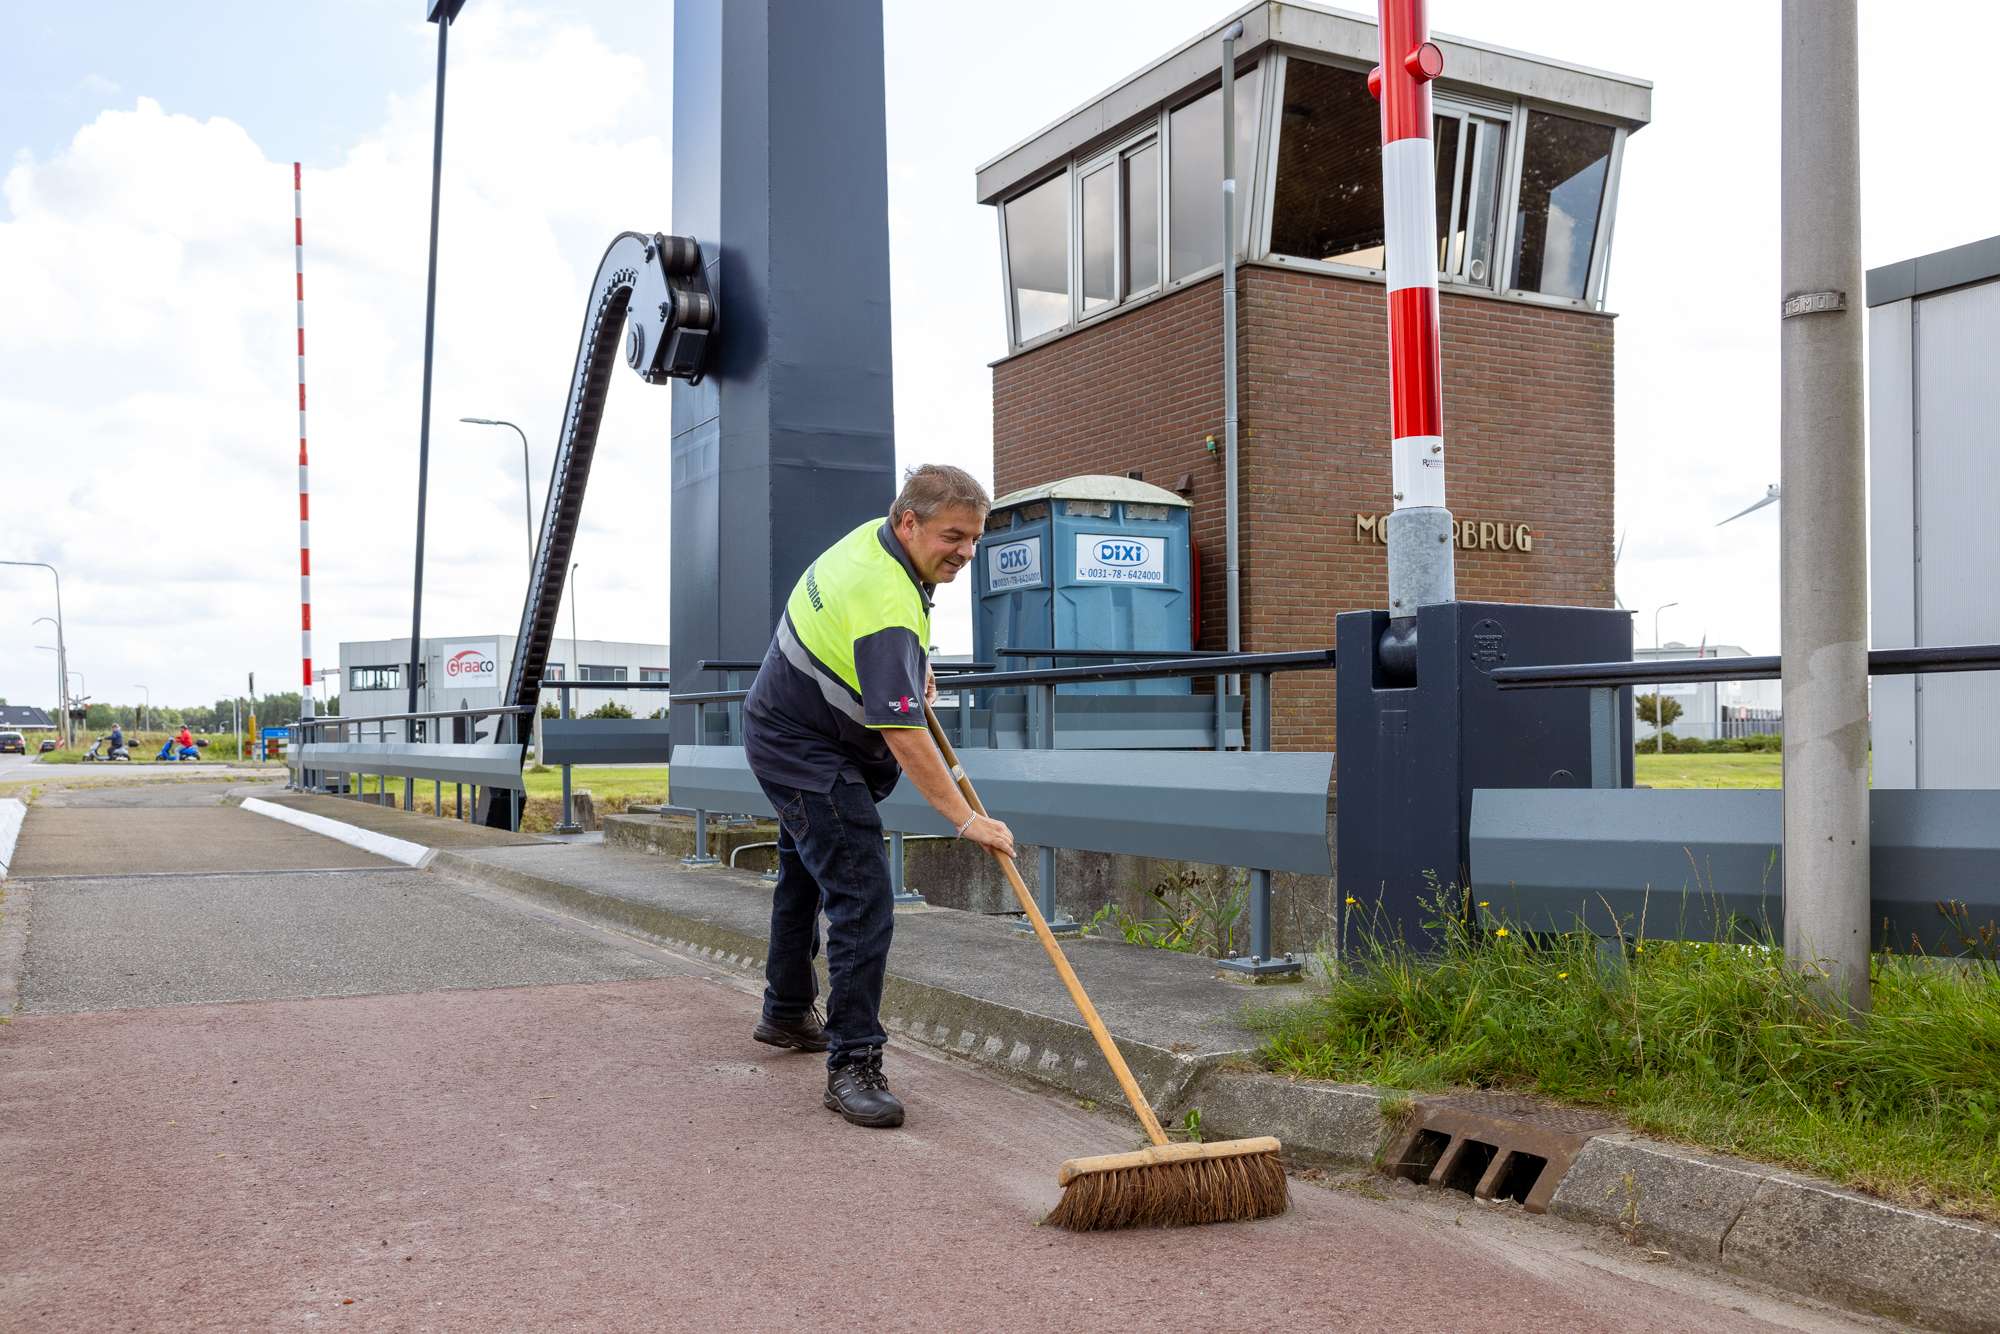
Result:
x=1048 y=939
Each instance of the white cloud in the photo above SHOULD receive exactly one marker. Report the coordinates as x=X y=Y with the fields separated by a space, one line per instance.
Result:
x=147 y=404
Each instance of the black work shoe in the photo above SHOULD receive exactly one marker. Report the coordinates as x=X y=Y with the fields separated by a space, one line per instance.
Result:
x=806 y=1034
x=859 y=1091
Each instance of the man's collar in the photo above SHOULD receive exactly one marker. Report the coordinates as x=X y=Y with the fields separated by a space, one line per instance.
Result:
x=894 y=546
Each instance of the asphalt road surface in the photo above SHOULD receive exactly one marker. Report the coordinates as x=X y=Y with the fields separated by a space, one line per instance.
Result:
x=337 y=1096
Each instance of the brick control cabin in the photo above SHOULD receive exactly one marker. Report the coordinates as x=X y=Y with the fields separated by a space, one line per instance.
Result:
x=1114 y=307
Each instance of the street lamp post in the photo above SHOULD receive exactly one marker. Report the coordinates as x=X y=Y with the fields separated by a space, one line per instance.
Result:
x=62 y=682
x=62 y=647
x=527 y=485
x=575 y=654
x=146 y=709
x=1659 y=726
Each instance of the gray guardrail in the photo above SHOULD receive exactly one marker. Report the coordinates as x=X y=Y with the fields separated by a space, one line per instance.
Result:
x=1691 y=860
x=605 y=741
x=481 y=763
x=1262 y=809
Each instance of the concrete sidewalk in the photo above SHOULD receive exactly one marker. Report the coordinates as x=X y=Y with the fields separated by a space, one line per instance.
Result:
x=971 y=985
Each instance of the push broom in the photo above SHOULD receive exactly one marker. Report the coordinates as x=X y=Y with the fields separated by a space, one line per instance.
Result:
x=1162 y=1185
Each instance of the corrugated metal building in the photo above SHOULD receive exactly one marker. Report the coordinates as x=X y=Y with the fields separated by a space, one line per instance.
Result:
x=1934 y=479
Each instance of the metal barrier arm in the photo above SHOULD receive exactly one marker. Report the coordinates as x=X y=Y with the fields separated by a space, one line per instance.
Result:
x=1881 y=662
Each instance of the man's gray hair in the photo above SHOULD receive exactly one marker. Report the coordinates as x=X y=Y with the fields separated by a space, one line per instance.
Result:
x=938 y=486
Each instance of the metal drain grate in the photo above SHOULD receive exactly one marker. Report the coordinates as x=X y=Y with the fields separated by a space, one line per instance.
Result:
x=1493 y=1146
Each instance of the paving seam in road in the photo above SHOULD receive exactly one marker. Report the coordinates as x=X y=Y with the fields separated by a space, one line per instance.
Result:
x=208 y=875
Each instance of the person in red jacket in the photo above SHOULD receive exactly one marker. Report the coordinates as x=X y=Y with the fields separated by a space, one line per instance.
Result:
x=183 y=739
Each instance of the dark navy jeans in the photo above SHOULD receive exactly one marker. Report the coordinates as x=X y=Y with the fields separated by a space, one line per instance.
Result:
x=830 y=857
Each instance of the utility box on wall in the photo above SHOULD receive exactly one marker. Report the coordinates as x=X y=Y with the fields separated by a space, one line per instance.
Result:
x=1085 y=563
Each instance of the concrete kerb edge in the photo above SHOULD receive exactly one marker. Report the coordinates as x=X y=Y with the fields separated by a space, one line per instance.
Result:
x=12 y=812
x=1739 y=1216
x=1049 y=1050
x=1788 y=1229
x=367 y=840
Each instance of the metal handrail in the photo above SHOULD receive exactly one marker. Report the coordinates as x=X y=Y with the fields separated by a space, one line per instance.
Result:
x=1108 y=654
x=1303 y=660
x=751 y=665
x=333 y=719
x=562 y=685
x=1881 y=662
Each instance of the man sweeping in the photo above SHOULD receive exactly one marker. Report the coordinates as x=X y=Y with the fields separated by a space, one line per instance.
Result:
x=834 y=718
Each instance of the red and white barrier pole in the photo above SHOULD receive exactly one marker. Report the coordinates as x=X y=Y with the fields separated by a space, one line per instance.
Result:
x=1420 y=546
x=305 y=526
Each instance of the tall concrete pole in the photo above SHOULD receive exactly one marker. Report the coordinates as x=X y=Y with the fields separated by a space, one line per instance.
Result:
x=1824 y=534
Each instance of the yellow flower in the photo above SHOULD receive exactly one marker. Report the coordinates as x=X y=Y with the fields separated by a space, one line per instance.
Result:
x=1501 y=932
x=1352 y=901
x=1638 y=949
x=1561 y=976
x=1482 y=903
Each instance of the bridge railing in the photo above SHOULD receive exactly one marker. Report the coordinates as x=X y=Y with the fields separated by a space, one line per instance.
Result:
x=1543 y=856
x=1251 y=807
x=440 y=745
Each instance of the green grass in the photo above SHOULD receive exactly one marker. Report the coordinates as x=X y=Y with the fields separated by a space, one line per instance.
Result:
x=612 y=787
x=604 y=783
x=143 y=746
x=1747 y=770
x=1715 y=1045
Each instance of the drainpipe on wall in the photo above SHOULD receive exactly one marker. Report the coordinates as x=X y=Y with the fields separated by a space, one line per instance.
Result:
x=1229 y=36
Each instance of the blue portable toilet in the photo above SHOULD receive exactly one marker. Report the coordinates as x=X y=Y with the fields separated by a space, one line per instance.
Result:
x=1091 y=562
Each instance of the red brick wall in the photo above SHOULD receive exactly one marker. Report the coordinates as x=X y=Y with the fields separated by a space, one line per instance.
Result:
x=1528 y=435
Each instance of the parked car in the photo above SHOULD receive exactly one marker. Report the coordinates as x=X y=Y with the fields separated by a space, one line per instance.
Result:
x=48 y=744
x=14 y=743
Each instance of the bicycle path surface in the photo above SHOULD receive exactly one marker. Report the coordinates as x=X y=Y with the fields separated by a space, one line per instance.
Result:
x=255 y=1078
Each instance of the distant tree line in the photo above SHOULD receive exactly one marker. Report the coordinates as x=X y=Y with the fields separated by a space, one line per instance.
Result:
x=218 y=717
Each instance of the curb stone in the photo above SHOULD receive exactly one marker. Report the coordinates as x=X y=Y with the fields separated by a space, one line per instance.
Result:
x=1048 y=1049
x=1782 y=1228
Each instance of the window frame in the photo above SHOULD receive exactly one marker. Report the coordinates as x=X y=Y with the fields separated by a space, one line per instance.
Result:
x=1270 y=59
x=1469 y=111
x=1110 y=159
x=1069 y=258
x=1607 y=208
x=1257 y=187
x=379 y=669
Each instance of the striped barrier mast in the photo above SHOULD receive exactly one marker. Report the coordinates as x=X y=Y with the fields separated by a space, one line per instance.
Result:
x=305 y=526
x=1419 y=526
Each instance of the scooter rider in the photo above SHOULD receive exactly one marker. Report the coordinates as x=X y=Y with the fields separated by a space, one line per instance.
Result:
x=834 y=718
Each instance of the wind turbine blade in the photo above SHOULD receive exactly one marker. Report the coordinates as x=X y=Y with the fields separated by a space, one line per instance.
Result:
x=1768 y=499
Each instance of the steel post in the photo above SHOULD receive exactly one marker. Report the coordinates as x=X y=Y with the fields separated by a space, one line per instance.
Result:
x=1260 y=966
x=1606 y=765
x=1042 y=736
x=903 y=895
x=1823 y=572
x=569 y=824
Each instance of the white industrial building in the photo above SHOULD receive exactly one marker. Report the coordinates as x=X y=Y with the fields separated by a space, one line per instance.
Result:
x=1934 y=480
x=1710 y=709
x=470 y=671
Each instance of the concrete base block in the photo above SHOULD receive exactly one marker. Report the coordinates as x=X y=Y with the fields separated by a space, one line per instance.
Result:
x=1670 y=1198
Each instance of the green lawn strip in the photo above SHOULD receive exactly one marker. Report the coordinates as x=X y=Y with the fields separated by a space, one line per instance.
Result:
x=612 y=788
x=1761 y=769
x=1716 y=1046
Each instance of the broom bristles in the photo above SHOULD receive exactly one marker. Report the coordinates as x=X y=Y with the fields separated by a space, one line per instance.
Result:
x=1174 y=1194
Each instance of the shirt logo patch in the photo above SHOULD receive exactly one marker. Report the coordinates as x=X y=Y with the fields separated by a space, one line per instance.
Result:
x=904 y=705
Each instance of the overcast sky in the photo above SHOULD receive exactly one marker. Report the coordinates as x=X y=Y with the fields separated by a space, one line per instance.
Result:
x=146 y=369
